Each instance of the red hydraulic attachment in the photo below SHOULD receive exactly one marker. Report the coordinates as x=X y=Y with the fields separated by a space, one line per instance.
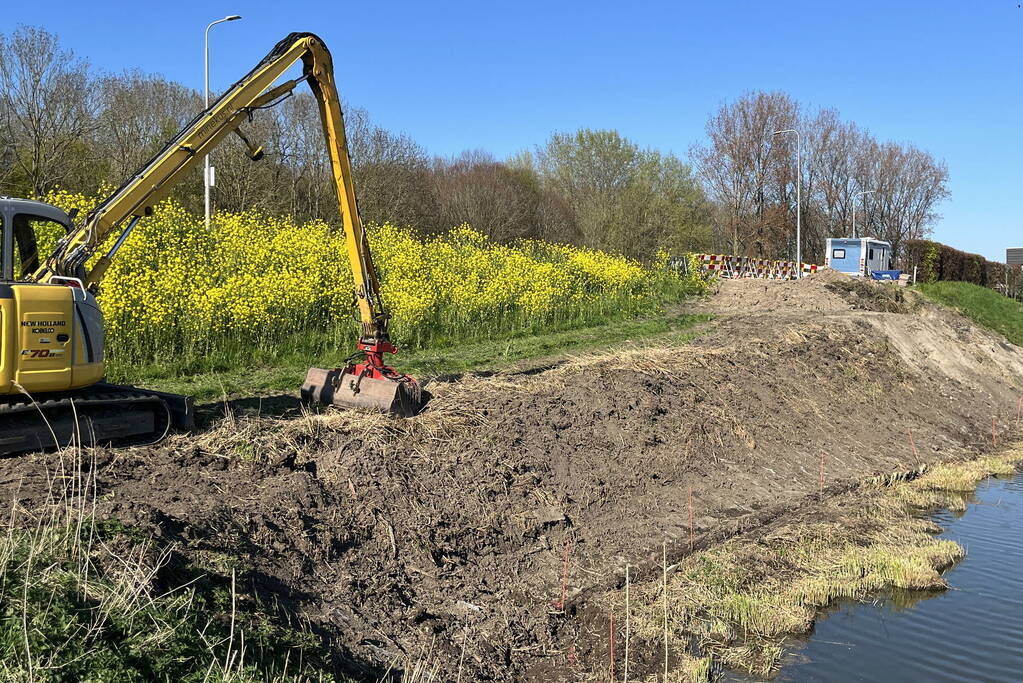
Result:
x=370 y=384
x=373 y=365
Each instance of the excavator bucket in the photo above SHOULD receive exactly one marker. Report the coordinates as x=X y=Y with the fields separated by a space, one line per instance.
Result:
x=344 y=388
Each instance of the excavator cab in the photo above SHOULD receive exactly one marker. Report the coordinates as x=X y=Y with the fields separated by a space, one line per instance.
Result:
x=51 y=334
x=28 y=227
x=51 y=349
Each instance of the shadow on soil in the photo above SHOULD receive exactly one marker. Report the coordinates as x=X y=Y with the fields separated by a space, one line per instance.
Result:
x=278 y=405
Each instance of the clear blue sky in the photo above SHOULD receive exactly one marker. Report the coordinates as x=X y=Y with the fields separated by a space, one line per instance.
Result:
x=503 y=75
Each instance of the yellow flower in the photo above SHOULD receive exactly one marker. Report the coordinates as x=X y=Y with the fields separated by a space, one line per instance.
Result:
x=254 y=281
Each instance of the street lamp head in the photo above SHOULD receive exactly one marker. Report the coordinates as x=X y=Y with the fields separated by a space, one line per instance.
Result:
x=230 y=17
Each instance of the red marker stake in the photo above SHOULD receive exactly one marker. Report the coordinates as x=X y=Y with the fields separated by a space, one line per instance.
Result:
x=1019 y=405
x=994 y=432
x=913 y=444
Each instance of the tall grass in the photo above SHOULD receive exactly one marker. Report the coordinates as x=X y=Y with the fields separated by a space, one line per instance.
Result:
x=89 y=600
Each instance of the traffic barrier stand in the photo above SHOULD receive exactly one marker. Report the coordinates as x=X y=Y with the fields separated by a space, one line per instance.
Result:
x=748 y=267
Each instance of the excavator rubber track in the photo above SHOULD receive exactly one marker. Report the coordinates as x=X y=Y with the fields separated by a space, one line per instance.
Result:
x=100 y=414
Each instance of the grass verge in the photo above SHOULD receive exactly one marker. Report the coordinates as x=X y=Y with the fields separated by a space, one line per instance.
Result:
x=88 y=600
x=739 y=600
x=285 y=371
x=982 y=305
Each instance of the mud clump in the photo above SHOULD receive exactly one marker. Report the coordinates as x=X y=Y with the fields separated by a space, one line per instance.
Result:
x=867 y=295
x=443 y=538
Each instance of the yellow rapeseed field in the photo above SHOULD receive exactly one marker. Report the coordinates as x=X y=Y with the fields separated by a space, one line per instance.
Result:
x=257 y=282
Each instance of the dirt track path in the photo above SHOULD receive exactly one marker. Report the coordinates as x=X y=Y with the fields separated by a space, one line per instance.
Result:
x=444 y=537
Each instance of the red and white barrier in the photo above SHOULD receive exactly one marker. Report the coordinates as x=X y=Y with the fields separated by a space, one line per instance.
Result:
x=735 y=267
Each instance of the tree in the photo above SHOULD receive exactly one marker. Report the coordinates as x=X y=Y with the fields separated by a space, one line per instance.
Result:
x=623 y=198
x=392 y=174
x=264 y=185
x=590 y=170
x=303 y=152
x=499 y=201
x=748 y=171
x=909 y=185
x=665 y=208
x=45 y=110
x=137 y=115
x=555 y=220
x=750 y=176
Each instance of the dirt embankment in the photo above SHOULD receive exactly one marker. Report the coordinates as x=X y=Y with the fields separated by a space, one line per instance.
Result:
x=444 y=537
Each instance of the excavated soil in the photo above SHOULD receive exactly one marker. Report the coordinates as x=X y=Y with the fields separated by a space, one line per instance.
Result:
x=444 y=538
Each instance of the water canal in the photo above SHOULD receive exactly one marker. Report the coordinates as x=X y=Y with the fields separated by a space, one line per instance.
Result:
x=972 y=632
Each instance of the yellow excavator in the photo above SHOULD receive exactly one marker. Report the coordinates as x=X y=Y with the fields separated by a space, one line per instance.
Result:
x=51 y=328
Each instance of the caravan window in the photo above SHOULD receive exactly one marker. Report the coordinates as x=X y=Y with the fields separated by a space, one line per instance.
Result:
x=838 y=253
x=870 y=254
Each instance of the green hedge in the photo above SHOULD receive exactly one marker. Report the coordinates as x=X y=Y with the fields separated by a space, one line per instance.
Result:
x=938 y=262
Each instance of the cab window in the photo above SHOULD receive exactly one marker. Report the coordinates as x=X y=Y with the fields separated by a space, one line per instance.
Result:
x=33 y=236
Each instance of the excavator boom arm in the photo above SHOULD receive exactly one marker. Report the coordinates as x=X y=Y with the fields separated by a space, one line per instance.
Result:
x=154 y=181
x=51 y=332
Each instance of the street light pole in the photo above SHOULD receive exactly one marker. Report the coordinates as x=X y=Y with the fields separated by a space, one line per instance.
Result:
x=858 y=195
x=799 y=203
x=206 y=104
